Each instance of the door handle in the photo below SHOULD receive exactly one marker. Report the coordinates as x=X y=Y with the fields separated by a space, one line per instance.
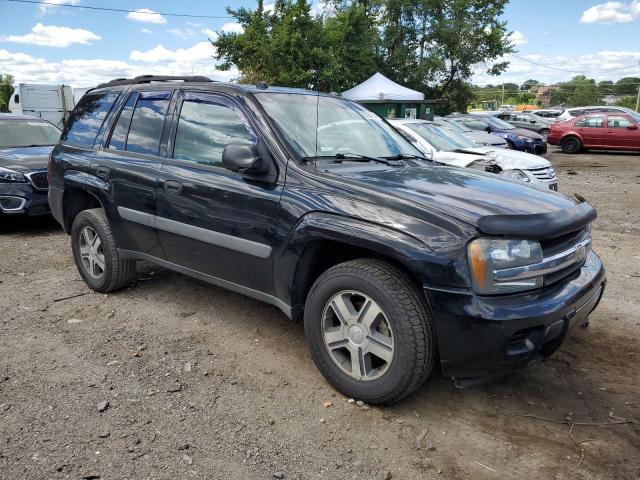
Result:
x=102 y=172
x=173 y=187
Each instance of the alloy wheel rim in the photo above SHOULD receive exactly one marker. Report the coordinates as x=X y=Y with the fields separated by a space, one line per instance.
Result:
x=91 y=252
x=357 y=335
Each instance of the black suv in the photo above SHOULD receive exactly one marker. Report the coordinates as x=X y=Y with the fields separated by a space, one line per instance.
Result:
x=315 y=205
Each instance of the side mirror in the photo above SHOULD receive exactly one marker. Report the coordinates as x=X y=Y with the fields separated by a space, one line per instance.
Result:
x=633 y=126
x=245 y=159
x=488 y=129
x=532 y=121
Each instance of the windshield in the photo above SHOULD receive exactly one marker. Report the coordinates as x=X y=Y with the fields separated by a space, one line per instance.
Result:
x=27 y=133
x=343 y=127
x=441 y=140
x=500 y=124
x=451 y=125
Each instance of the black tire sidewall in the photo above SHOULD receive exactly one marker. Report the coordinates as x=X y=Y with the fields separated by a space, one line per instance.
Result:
x=571 y=141
x=86 y=219
x=400 y=371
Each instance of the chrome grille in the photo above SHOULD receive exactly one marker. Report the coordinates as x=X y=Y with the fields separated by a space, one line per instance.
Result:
x=547 y=174
x=39 y=180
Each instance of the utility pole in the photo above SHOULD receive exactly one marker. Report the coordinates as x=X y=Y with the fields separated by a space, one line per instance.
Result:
x=502 y=101
x=638 y=97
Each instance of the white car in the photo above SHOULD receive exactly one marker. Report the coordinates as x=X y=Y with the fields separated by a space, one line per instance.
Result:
x=571 y=113
x=451 y=148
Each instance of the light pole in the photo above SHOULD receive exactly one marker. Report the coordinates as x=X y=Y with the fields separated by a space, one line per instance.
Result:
x=638 y=97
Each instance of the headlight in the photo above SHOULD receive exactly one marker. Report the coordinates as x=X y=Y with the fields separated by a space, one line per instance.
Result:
x=517 y=174
x=10 y=176
x=487 y=255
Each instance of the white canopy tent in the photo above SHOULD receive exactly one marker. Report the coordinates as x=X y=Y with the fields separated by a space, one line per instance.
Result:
x=380 y=88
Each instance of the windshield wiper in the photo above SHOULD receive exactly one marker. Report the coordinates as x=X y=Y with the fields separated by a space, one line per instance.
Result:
x=363 y=158
x=402 y=156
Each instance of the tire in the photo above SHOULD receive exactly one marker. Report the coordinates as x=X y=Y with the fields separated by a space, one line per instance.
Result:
x=117 y=273
x=405 y=313
x=544 y=133
x=571 y=145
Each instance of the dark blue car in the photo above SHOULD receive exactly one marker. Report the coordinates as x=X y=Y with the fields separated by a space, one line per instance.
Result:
x=517 y=138
x=25 y=145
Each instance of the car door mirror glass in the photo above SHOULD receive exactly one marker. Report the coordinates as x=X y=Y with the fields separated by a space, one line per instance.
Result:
x=633 y=126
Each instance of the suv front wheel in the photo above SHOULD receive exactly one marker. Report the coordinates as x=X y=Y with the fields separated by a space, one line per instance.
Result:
x=369 y=332
x=96 y=255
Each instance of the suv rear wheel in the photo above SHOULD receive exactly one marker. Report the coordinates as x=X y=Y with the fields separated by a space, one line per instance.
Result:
x=369 y=332
x=96 y=255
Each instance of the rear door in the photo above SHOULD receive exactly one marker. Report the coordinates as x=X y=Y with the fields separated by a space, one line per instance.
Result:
x=620 y=132
x=210 y=219
x=591 y=129
x=129 y=164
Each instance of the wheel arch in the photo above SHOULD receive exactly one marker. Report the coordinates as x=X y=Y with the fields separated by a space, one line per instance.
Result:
x=81 y=192
x=321 y=241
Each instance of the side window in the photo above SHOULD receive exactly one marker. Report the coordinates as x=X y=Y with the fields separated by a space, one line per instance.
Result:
x=86 y=120
x=147 y=122
x=118 y=139
x=618 y=122
x=475 y=125
x=204 y=129
x=594 y=121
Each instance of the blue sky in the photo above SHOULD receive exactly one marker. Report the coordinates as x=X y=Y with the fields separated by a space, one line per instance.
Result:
x=83 y=47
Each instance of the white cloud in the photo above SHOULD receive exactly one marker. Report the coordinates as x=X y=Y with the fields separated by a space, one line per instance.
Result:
x=209 y=33
x=147 y=31
x=603 y=65
x=88 y=72
x=147 y=16
x=53 y=4
x=184 y=33
x=612 y=12
x=232 y=27
x=198 y=52
x=518 y=38
x=53 y=36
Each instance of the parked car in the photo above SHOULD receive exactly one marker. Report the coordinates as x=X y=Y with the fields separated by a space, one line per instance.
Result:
x=452 y=148
x=570 y=113
x=25 y=145
x=314 y=204
x=480 y=137
x=517 y=138
x=597 y=131
x=528 y=121
x=548 y=113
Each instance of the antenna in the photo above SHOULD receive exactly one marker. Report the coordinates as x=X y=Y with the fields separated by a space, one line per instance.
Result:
x=315 y=156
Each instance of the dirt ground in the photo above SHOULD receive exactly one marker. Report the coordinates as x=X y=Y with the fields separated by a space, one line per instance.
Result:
x=204 y=383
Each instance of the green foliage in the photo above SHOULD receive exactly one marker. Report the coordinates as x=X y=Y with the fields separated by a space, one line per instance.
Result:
x=428 y=45
x=6 y=90
x=628 y=102
x=530 y=83
x=627 y=86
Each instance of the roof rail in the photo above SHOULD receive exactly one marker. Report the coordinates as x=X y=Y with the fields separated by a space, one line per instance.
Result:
x=153 y=78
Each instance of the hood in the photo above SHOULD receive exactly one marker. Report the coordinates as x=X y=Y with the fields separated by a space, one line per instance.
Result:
x=464 y=194
x=523 y=132
x=508 y=159
x=504 y=158
x=25 y=159
x=483 y=137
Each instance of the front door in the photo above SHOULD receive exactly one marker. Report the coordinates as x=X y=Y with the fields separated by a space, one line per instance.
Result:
x=620 y=132
x=210 y=219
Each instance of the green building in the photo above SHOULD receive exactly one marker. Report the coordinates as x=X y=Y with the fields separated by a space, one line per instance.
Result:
x=389 y=99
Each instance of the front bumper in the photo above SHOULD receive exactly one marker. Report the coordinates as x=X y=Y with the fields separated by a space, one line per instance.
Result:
x=483 y=337
x=537 y=148
x=22 y=199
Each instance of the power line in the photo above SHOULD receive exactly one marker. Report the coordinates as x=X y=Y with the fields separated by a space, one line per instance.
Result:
x=119 y=10
x=554 y=68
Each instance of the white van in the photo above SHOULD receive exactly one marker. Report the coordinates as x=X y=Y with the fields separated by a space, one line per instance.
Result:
x=51 y=102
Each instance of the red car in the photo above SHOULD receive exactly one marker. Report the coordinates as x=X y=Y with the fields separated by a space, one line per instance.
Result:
x=601 y=130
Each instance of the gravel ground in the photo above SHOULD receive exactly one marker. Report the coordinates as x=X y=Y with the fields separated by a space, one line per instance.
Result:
x=204 y=383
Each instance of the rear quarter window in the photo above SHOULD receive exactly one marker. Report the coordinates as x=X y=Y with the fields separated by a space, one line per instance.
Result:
x=147 y=122
x=87 y=118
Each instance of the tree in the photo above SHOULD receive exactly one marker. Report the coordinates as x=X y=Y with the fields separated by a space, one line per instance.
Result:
x=627 y=86
x=433 y=46
x=6 y=90
x=527 y=85
x=628 y=102
x=605 y=87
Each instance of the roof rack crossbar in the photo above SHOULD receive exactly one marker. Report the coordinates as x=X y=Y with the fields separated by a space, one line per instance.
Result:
x=153 y=78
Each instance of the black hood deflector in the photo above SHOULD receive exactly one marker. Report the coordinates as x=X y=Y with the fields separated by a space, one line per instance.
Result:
x=539 y=225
